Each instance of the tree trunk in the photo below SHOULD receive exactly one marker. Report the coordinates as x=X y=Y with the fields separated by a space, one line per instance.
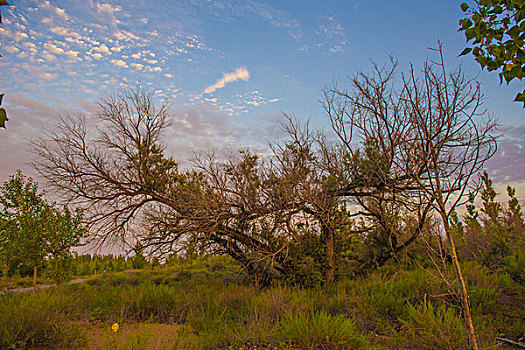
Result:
x=58 y=280
x=328 y=235
x=465 y=302
x=34 y=277
x=5 y=270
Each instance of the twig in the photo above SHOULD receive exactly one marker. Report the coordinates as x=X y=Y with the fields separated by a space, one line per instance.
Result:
x=511 y=342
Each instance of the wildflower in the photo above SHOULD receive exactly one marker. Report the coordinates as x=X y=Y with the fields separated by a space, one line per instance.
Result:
x=115 y=327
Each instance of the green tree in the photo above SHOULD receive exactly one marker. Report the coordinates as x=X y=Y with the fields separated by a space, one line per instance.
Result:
x=494 y=233
x=496 y=30
x=5 y=251
x=24 y=214
x=139 y=261
x=32 y=228
x=64 y=230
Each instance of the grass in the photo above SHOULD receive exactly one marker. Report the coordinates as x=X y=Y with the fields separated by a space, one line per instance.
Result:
x=209 y=304
x=37 y=321
x=319 y=329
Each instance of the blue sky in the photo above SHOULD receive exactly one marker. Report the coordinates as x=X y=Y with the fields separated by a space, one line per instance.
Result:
x=229 y=68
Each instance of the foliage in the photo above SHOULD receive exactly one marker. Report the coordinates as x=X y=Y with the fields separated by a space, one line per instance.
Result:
x=139 y=260
x=496 y=29
x=2 y=3
x=433 y=327
x=34 y=229
x=515 y=266
x=493 y=234
x=3 y=113
x=24 y=217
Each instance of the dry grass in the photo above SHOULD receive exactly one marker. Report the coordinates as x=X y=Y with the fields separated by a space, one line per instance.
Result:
x=138 y=336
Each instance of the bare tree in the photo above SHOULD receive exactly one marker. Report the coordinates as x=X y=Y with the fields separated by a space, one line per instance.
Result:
x=119 y=173
x=115 y=171
x=371 y=123
x=430 y=137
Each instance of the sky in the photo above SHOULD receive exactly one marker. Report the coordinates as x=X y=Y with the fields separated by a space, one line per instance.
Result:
x=229 y=68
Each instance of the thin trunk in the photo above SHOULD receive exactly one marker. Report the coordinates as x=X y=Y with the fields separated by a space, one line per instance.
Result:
x=34 y=277
x=465 y=302
x=5 y=270
x=58 y=280
x=328 y=235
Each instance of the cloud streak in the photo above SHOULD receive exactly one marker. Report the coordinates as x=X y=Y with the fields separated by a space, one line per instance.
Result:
x=240 y=73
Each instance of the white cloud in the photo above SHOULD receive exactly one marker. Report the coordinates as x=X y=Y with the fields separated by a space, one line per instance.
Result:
x=240 y=73
x=11 y=49
x=48 y=56
x=72 y=54
x=126 y=36
x=108 y=8
x=119 y=63
x=102 y=48
x=53 y=48
x=60 y=12
x=48 y=76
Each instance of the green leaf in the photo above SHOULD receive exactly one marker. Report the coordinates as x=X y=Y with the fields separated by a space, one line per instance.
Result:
x=514 y=32
x=465 y=23
x=464 y=7
x=520 y=15
x=477 y=51
x=1 y=97
x=3 y=118
x=515 y=72
x=470 y=33
x=466 y=51
x=3 y=3
x=520 y=97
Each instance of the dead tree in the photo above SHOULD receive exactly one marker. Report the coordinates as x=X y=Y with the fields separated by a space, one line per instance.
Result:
x=431 y=138
x=120 y=175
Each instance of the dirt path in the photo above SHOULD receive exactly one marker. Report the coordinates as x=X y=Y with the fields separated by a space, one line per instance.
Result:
x=44 y=286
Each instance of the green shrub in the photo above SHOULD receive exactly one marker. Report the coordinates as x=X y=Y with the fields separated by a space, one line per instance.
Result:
x=152 y=303
x=312 y=330
x=515 y=267
x=386 y=300
x=429 y=327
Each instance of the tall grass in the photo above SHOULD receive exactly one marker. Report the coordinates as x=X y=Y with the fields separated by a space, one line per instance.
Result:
x=392 y=307
x=320 y=330
x=37 y=321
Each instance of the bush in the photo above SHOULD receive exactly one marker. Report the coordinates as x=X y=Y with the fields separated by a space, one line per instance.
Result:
x=312 y=330
x=515 y=267
x=429 y=327
x=151 y=303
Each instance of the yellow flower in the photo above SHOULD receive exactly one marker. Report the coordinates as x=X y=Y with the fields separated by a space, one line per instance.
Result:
x=114 y=327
